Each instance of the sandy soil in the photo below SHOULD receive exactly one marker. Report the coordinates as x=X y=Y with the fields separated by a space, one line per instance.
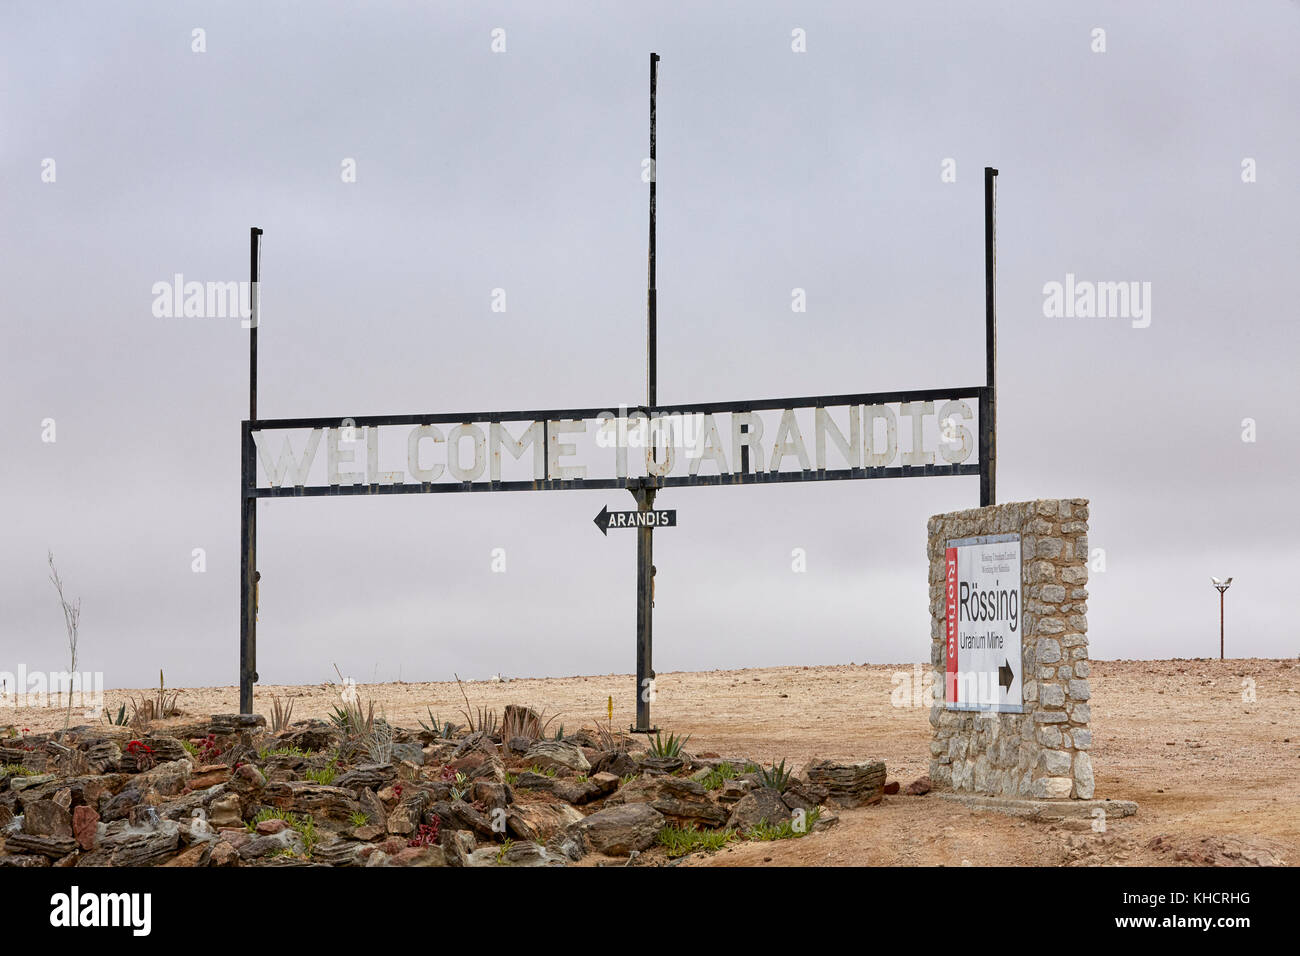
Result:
x=1216 y=777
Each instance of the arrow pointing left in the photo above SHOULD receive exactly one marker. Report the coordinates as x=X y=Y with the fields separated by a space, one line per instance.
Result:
x=658 y=518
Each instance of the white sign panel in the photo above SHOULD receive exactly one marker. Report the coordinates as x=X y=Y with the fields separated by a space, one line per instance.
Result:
x=982 y=597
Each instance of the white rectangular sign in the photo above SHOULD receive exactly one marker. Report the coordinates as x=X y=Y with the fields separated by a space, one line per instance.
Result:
x=982 y=598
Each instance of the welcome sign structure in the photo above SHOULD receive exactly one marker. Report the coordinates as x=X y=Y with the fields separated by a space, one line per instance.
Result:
x=912 y=433
x=800 y=439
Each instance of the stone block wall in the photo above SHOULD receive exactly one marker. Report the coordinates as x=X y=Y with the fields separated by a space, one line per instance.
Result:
x=1043 y=752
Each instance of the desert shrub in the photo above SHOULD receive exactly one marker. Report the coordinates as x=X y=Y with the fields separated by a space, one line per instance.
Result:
x=304 y=824
x=608 y=740
x=782 y=831
x=776 y=776
x=281 y=714
x=480 y=720
x=521 y=721
x=325 y=775
x=679 y=841
x=715 y=777
x=671 y=747
x=439 y=728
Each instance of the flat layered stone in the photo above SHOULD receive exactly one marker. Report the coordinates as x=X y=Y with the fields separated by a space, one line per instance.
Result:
x=540 y=821
x=617 y=831
x=319 y=800
x=123 y=845
x=53 y=848
x=682 y=802
x=554 y=753
x=850 y=784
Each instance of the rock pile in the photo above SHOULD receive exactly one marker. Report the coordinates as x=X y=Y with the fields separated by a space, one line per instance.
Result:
x=226 y=792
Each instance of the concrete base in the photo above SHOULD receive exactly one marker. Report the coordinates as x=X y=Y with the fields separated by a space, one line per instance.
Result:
x=1043 y=810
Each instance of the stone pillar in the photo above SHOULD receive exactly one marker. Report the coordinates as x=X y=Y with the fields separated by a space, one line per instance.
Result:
x=1044 y=751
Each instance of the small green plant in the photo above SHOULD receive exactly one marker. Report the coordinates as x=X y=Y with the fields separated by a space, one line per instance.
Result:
x=359 y=819
x=505 y=848
x=191 y=748
x=581 y=778
x=670 y=748
x=559 y=734
x=306 y=827
x=679 y=841
x=120 y=719
x=304 y=824
x=341 y=720
x=783 y=831
x=444 y=729
x=776 y=776
x=353 y=720
x=542 y=771
x=461 y=787
x=266 y=813
x=512 y=778
x=627 y=778
x=324 y=776
x=18 y=770
x=751 y=767
x=715 y=777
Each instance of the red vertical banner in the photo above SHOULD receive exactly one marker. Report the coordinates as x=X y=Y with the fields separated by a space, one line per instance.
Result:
x=950 y=598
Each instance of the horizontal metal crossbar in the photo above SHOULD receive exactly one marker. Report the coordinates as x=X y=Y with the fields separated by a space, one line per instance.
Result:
x=578 y=414
x=628 y=484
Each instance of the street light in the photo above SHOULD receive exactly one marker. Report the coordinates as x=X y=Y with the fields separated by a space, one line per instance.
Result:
x=1221 y=586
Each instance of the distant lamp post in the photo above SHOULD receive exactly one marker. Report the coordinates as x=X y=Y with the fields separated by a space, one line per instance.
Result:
x=1221 y=586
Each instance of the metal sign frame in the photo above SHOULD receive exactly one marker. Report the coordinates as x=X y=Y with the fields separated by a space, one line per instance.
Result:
x=643 y=489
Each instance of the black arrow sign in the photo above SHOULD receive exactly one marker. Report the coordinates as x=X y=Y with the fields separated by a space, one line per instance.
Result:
x=1005 y=675
x=634 y=519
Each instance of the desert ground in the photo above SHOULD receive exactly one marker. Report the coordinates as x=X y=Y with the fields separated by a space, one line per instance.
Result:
x=1210 y=751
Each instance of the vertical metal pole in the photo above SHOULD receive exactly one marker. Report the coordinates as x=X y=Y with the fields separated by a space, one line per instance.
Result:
x=1221 y=625
x=247 y=503
x=645 y=496
x=652 y=309
x=254 y=271
x=988 y=398
x=247 y=562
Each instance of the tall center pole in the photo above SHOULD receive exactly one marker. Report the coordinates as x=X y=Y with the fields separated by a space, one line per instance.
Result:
x=652 y=391
x=248 y=503
x=988 y=400
x=1221 y=590
x=645 y=495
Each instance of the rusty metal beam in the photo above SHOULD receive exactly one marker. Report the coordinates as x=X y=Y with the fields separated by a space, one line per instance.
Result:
x=988 y=398
x=575 y=414
x=248 y=500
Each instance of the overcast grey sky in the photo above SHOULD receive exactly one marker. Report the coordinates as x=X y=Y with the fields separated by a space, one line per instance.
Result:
x=521 y=170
